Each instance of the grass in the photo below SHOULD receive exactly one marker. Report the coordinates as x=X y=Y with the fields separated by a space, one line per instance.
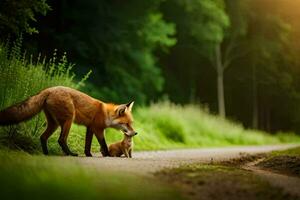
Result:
x=221 y=182
x=22 y=77
x=289 y=152
x=24 y=176
x=192 y=126
x=169 y=126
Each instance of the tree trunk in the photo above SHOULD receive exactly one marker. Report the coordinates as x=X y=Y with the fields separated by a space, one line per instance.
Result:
x=268 y=119
x=220 y=81
x=255 y=103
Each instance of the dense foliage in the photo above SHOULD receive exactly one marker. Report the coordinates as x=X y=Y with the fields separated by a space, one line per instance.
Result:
x=117 y=39
x=16 y=16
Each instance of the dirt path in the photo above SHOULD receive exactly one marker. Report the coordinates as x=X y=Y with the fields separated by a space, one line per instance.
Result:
x=146 y=163
x=289 y=184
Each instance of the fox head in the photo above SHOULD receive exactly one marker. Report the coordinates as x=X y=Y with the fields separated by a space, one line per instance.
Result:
x=120 y=117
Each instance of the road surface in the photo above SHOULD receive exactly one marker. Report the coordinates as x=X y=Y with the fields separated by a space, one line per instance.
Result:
x=147 y=162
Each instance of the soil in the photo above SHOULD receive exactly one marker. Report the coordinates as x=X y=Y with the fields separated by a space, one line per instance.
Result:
x=217 y=182
x=289 y=165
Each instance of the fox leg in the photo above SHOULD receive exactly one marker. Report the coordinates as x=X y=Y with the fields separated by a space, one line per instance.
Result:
x=88 y=142
x=126 y=153
x=129 y=153
x=51 y=127
x=65 y=129
x=100 y=137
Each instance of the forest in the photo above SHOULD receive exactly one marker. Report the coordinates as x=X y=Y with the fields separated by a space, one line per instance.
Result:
x=236 y=58
x=212 y=87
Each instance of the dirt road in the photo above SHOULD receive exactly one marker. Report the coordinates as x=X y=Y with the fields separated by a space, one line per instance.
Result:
x=146 y=163
x=288 y=183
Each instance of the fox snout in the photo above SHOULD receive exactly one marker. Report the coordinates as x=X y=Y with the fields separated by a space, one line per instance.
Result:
x=130 y=133
x=134 y=133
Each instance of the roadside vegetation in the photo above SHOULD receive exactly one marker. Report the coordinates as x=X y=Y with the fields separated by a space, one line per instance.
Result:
x=289 y=152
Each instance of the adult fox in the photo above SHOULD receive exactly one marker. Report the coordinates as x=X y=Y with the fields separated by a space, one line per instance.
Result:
x=62 y=106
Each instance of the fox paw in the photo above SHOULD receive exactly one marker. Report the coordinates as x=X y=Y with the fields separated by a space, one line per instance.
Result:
x=73 y=154
x=88 y=155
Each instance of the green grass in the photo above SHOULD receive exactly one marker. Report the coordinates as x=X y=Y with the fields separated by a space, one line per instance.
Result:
x=24 y=176
x=289 y=152
x=169 y=126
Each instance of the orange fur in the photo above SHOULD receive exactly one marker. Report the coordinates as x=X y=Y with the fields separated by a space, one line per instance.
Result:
x=123 y=147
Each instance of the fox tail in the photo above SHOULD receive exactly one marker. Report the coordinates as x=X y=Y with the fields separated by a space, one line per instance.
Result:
x=24 y=110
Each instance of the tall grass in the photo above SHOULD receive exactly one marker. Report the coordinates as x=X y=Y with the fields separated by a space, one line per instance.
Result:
x=192 y=126
x=20 y=78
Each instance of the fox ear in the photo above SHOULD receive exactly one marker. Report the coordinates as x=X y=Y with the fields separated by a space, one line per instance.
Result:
x=129 y=105
x=121 y=110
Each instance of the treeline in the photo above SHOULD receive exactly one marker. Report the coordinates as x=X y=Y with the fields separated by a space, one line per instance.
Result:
x=238 y=57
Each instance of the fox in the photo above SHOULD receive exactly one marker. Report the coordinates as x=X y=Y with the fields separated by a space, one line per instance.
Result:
x=122 y=147
x=63 y=106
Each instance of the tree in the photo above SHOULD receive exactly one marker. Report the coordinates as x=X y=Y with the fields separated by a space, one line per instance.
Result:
x=205 y=22
x=267 y=36
x=117 y=39
x=226 y=48
x=16 y=16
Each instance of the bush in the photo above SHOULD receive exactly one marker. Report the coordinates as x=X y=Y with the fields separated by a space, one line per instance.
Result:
x=166 y=125
x=171 y=129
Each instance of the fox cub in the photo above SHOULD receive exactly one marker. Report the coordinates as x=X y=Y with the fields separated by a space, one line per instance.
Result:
x=122 y=147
